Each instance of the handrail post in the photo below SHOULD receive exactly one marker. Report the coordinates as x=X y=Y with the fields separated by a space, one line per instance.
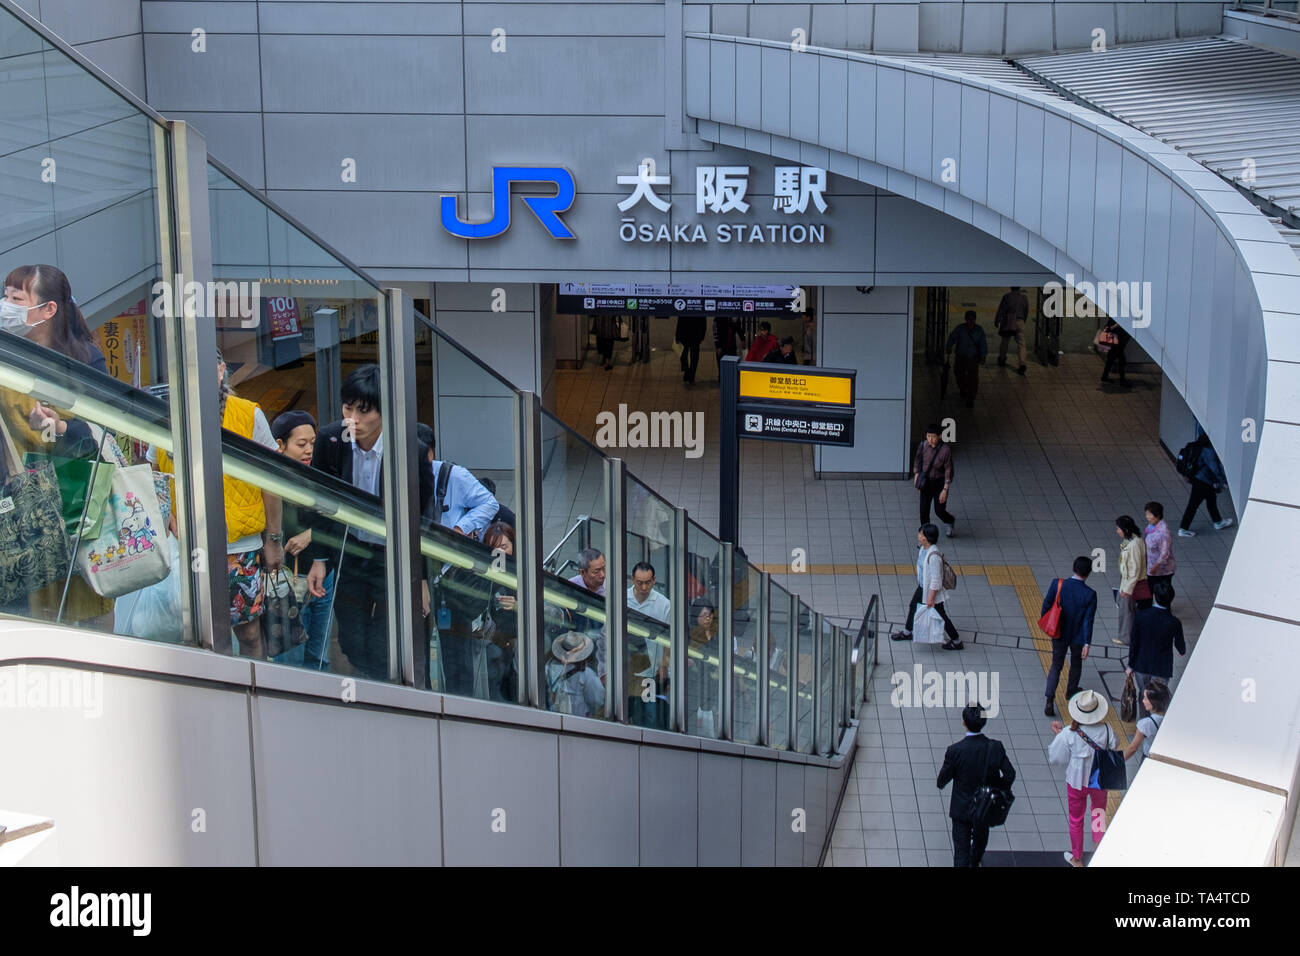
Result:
x=792 y=674
x=193 y=402
x=763 y=659
x=817 y=742
x=615 y=589
x=679 y=618
x=528 y=554
x=726 y=638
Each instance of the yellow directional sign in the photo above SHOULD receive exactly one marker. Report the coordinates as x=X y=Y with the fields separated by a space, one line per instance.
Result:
x=796 y=383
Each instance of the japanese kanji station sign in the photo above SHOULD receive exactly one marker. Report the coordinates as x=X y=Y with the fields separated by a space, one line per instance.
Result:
x=799 y=383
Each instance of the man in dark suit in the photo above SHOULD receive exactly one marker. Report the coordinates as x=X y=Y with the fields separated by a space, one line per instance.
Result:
x=1156 y=632
x=964 y=764
x=352 y=450
x=1078 y=608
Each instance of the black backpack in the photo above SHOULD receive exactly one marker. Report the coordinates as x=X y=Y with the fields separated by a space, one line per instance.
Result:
x=1188 y=458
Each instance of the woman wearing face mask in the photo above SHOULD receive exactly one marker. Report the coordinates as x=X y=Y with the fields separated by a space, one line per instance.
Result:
x=38 y=306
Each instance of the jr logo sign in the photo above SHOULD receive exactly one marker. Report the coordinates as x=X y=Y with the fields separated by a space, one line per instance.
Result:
x=545 y=208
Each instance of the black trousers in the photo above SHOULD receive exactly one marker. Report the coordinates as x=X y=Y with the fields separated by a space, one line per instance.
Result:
x=1201 y=492
x=1116 y=359
x=360 y=606
x=605 y=348
x=968 y=843
x=458 y=646
x=1059 y=647
x=690 y=361
x=948 y=627
x=930 y=493
x=967 y=373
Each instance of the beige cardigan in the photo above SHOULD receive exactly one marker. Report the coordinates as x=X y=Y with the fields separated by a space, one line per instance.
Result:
x=1132 y=563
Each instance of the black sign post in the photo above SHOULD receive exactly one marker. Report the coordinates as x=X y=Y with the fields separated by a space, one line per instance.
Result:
x=777 y=402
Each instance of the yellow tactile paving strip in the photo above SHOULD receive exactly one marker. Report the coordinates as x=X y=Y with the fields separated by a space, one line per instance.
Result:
x=1018 y=576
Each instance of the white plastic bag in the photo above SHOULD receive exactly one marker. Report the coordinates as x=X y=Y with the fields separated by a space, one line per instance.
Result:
x=155 y=613
x=927 y=626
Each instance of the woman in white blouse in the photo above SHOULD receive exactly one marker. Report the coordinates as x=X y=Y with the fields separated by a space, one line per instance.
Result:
x=1070 y=748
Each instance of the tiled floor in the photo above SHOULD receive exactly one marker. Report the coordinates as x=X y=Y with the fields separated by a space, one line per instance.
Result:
x=1044 y=464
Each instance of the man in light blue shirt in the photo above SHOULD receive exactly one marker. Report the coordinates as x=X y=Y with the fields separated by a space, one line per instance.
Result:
x=468 y=508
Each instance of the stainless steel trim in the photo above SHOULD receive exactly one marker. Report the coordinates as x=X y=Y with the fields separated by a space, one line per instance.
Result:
x=726 y=636
x=401 y=491
x=616 y=676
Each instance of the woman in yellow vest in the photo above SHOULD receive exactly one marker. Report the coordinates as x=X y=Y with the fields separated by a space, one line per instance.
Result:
x=249 y=513
x=38 y=306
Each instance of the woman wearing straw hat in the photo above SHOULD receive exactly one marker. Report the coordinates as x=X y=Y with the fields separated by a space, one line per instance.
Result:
x=1069 y=747
x=574 y=689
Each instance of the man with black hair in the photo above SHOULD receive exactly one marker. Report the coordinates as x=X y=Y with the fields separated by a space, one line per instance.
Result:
x=785 y=354
x=929 y=588
x=1156 y=634
x=970 y=346
x=932 y=476
x=1078 y=608
x=1013 y=311
x=460 y=501
x=970 y=763
x=352 y=450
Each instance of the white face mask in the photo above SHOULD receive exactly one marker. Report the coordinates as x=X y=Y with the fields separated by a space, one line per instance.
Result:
x=13 y=317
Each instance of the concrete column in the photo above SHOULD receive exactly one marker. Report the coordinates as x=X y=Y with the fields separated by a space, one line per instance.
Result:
x=871 y=333
x=471 y=406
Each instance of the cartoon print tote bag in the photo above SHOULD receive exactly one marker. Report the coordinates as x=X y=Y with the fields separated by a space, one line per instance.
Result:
x=131 y=551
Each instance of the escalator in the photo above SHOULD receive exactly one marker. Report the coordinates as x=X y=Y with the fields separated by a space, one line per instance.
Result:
x=413 y=733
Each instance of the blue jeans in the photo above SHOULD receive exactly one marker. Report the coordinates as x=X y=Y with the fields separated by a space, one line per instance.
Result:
x=314 y=652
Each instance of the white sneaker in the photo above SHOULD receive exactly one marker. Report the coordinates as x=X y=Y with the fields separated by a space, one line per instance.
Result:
x=947 y=529
x=1225 y=523
x=1184 y=533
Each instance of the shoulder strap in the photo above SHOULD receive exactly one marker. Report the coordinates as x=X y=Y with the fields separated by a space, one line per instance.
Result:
x=990 y=746
x=440 y=492
x=10 y=461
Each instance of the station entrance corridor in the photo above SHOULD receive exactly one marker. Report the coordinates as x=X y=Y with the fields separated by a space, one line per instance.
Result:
x=1044 y=463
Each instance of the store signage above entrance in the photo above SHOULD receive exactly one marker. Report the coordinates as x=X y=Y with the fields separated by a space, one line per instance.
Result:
x=796 y=383
x=645 y=299
x=545 y=208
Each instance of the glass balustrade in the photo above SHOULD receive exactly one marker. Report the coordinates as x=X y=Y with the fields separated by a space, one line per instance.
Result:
x=780 y=666
x=652 y=594
x=92 y=463
x=746 y=628
x=803 y=684
x=703 y=667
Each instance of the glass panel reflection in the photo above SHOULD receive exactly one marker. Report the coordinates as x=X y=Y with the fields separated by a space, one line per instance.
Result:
x=778 y=616
x=744 y=662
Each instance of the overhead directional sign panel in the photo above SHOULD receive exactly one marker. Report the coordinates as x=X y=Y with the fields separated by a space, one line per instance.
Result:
x=776 y=382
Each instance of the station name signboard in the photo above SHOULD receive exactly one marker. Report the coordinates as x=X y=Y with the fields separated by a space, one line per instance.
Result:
x=805 y=384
